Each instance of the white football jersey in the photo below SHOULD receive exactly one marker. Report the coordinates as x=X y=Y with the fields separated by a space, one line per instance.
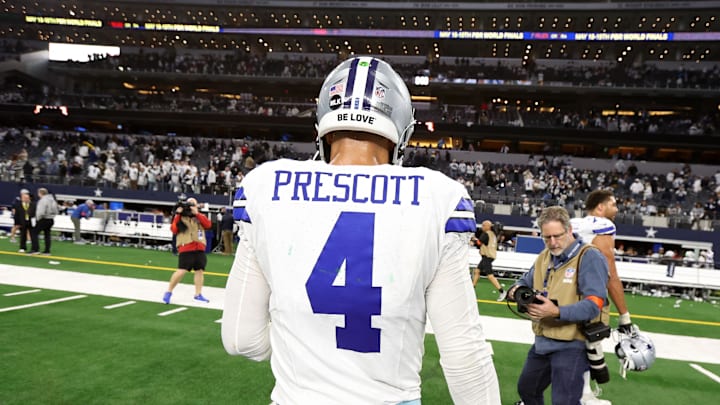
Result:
x=590 y=226
x=348 y=253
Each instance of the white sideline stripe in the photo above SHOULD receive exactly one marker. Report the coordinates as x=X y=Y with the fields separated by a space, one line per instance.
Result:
x=673 y=347
x=120 y=304
x=37 y=304
x=708 y=373
x=172 y=311
x=109 y=286
x=21 y=292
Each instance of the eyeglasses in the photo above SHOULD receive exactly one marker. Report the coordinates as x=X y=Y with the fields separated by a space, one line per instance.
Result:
x=548 y=238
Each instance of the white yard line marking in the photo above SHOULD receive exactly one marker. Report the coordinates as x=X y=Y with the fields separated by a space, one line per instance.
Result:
x=677 y=347
x=219 y=321
x=37 y=304
x=118 y=305
x=172 y=311
x=710 y=374
x=21 y=293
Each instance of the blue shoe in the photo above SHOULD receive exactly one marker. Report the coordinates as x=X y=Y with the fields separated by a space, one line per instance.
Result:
x=166 y=297
x=200 y=298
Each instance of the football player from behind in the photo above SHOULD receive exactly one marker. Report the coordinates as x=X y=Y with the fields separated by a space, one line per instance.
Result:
x=341 y=259
x=598 y=228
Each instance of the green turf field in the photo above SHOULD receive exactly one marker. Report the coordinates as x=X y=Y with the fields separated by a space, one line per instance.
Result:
x=77 y=352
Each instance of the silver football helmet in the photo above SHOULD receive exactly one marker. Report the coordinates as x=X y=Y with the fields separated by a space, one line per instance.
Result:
x=636 y=353
x=365 y=94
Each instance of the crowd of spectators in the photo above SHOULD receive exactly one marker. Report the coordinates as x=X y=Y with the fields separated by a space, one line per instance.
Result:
x=468 y=115
x=215 y=166
x=658 y=254
x=208 y=165
x=154 y=163
x=683 y=197
x=499 y=114
x=459 y=70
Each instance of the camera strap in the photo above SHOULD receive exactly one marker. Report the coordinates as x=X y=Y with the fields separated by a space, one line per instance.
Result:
x=519 y=315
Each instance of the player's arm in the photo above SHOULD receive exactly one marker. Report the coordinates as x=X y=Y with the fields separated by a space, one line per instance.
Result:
x=606 y=244
x=246 y=316
x=465 y=355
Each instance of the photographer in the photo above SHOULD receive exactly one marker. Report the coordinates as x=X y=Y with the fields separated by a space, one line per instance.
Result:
x=570 y=279
x=189 y=225
x=486 y=240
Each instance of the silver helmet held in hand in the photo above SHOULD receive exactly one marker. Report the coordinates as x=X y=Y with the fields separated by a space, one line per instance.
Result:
x=365 y=94
x=636 y=353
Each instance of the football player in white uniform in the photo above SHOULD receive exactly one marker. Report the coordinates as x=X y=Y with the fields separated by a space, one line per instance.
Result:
x=598 y=228
x=340 y=260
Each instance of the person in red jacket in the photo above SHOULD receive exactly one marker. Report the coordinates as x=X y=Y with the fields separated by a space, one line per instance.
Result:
x=189 y=225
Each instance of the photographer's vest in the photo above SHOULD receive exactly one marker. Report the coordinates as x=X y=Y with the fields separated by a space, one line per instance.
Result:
x=193 y=233
x=489 y=250
x=562 y=286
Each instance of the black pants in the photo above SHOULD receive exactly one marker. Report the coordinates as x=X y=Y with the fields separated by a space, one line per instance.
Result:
x=24 y=228
x=43 y=225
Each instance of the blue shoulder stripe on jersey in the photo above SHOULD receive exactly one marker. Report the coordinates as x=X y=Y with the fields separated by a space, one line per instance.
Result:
x=239 y=211
x=604 y=231
x=460 y=225
x=465 y=204
x=240 y=214
x=240 y=194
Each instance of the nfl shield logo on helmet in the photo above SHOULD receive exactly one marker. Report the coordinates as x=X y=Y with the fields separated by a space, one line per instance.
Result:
x=379 y=92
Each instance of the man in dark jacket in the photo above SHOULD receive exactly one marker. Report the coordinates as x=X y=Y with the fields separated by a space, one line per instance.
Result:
x=227 y=224
x=25 y=216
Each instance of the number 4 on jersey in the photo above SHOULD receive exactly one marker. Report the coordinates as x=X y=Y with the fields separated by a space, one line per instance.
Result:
x=350 y=241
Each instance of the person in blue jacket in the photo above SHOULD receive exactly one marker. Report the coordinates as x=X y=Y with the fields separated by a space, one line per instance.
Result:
x=85 y=211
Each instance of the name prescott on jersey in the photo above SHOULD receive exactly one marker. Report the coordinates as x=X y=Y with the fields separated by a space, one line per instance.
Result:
x=341 y=187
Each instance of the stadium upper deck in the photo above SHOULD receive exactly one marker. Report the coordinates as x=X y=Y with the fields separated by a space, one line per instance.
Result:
x=535 y=41
x=676 y=31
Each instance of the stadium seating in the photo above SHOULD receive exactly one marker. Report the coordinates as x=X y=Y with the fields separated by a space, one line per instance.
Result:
x=123 y=225
x=635 y=272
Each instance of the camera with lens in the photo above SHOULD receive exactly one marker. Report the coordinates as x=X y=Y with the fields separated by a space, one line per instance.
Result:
x=525 y=296
x=498 y=228
x=186 y=207
x=594 y=334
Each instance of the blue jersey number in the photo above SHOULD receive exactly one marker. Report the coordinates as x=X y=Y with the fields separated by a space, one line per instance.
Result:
x=351 y=241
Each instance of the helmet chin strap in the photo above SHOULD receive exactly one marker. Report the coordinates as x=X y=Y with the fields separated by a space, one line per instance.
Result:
x=624 y=364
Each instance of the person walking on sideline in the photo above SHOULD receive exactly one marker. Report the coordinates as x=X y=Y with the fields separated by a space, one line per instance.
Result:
x=571 y=280
x=487 y=241
x=598 y=228
x=25 y=216
x=45 y=213
x=189 y=226
x=341 y=260
x=227 y=226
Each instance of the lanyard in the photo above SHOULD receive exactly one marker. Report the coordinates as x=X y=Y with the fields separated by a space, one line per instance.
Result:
x=551 y=267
